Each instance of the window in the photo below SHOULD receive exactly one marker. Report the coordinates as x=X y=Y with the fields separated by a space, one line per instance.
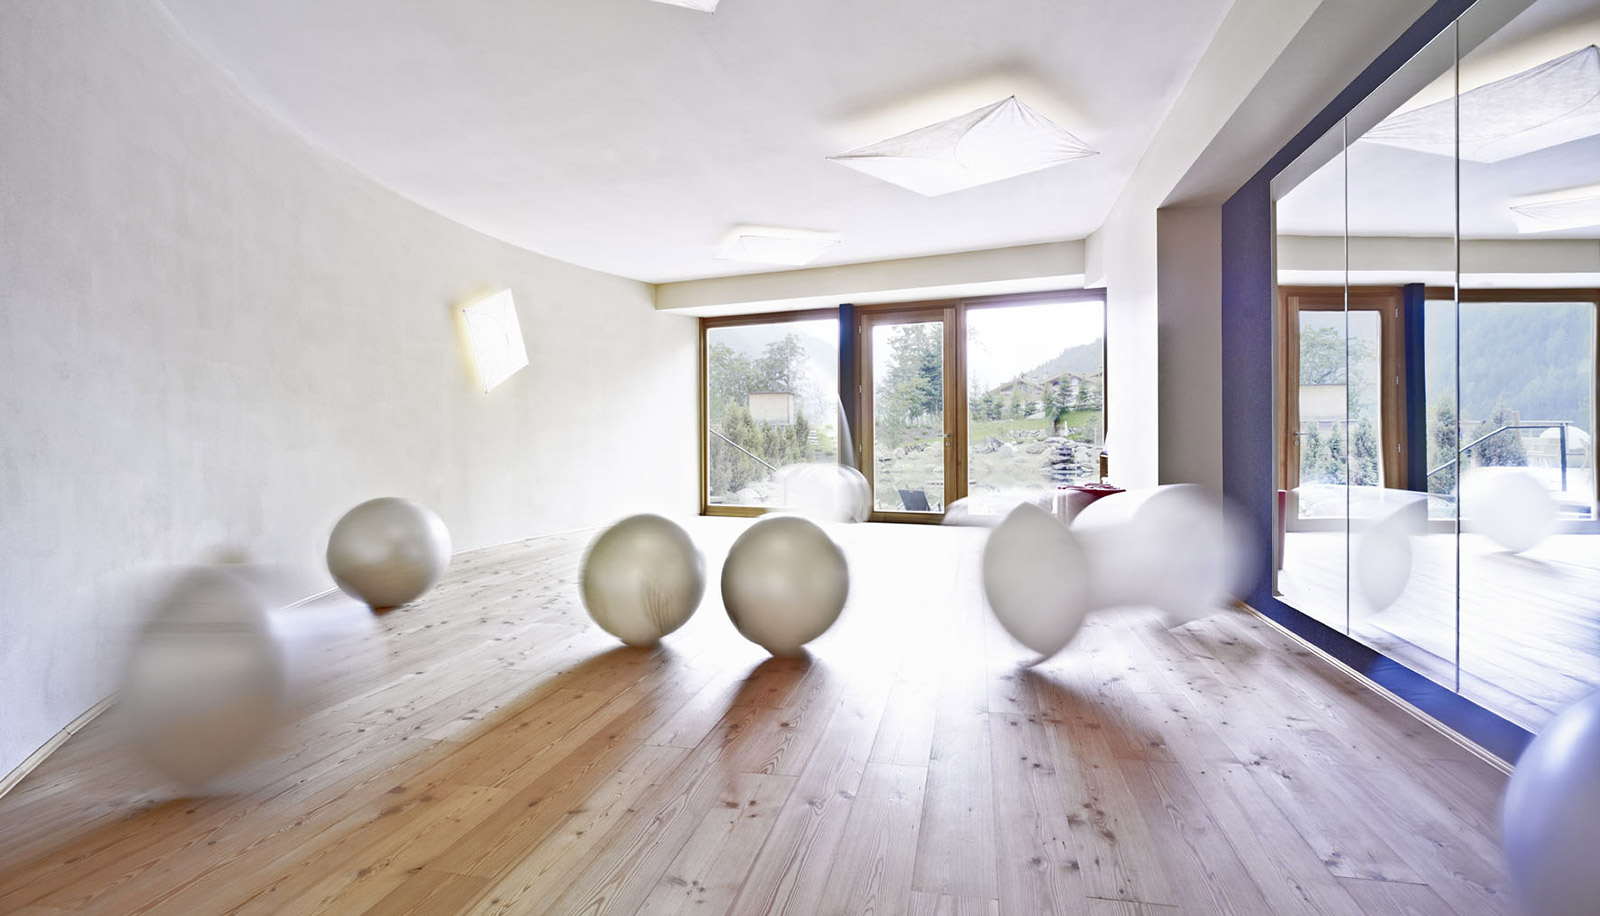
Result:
x=771 y=400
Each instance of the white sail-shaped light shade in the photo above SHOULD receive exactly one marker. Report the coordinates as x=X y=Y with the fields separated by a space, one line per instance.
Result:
x=704 y=6
x=995 y=142
x=1555 y=215
x=1554 y=103
x=496 y=338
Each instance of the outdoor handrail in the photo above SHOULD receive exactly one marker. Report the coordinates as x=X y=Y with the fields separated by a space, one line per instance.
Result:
x=1561 y=425
x=739 y=447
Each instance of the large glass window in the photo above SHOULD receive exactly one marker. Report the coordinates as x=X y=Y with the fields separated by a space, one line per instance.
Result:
x=1035 y=395
x=982 y=397
x=771 y=401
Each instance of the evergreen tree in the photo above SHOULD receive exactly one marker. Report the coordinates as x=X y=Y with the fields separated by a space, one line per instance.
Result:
x=1313 y=455
x=1504 y=449
x=1364 y=456
x=1442 y=446
x=1336 y=470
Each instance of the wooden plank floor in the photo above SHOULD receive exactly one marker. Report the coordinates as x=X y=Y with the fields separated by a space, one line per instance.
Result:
x=1529 y=623
x=501 y=755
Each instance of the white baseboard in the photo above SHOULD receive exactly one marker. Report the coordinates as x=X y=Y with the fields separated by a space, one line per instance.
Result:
x=49 y=747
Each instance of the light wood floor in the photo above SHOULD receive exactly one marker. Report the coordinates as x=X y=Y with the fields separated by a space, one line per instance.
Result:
x=506 y=757
x=1529 y=624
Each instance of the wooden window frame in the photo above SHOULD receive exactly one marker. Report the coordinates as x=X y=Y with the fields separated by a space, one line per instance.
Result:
x=953 y=312
x=733 y=321
x=1388 y=302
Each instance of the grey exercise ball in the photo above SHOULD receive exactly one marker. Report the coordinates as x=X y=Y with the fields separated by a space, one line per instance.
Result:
x=784 y=583
x=388 y=551
x=1035 y=576
x=642 y=579
x=1552 y=816
x=205 y=681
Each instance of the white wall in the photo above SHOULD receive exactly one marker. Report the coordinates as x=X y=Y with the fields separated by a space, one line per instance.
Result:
x=1189 y=338
x=1124 y=253
x=213 y=335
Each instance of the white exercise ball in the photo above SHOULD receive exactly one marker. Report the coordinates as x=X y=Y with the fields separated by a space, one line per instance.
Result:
x=388 y=551
x=1035 y=576
x=784 y=583
x=1177 y=547
x=825 y=491
x=205 y=680
x=1382 y=560
x=1550 y=819
x=988 y=510
x=642 y=579
x=1510 y=507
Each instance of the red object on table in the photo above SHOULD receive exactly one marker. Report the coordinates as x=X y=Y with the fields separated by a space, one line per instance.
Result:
x=1070 y=500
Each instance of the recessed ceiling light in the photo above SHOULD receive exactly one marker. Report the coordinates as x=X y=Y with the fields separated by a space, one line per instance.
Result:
x=1556 y=102
x=705 y=6
x=1554 y=215
x=993 y=143
x=789 y=247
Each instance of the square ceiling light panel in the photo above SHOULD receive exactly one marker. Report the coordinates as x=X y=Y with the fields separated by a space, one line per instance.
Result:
x=496 y=338
x=993 y=143
x=788 y=247
x=1555 y=215
x=704 y=6
x=1554 y=103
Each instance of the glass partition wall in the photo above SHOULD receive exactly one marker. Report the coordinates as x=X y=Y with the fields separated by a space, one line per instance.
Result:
x=1438 y=269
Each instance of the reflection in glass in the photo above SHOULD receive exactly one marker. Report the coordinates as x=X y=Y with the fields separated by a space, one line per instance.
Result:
x=1444 y=308
x=772 y=400
x=1402 y=589
x=1314 y=387
x=1035 y=396
x=908 y=434
x=1530 y=545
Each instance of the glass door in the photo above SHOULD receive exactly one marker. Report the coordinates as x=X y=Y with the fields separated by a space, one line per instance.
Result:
x=1035 y=396
x=908 y=443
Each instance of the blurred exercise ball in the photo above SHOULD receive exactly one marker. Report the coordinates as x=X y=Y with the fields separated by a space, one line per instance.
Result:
x=988 y=510
x=825 y=491
x=642 y=579
x=205 y=682
x=1552 y=816
x=1510 y=507
x=1382 y=562
x=784 y=583
x=1178 y=547
x=1035 y=576
x=388 y=551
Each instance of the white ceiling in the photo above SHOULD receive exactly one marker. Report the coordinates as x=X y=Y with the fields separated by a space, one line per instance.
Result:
x=629 y=136
x=1399 y=192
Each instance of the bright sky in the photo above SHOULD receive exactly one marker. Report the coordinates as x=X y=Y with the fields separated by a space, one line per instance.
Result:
x=1004 y=342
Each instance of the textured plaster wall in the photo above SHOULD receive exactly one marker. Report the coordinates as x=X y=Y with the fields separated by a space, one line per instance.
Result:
x=213 y=335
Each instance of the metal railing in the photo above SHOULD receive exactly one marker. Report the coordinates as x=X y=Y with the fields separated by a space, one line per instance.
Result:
x=1466 y=449
x=740 y=448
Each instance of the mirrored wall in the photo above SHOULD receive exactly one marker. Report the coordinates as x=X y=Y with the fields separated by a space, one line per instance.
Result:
x=1438 y=270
